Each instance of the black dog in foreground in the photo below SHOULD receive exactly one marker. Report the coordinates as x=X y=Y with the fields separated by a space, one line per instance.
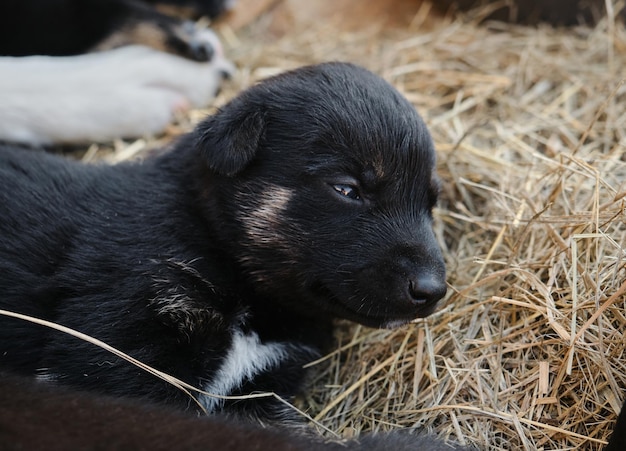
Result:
x=224 y=260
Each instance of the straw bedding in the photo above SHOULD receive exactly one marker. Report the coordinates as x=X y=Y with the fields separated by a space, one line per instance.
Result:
x=527 y=351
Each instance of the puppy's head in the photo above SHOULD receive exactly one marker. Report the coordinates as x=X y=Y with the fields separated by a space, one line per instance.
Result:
x=324 y=187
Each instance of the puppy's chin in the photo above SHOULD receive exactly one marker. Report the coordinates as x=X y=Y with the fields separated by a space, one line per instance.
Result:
x=383 y=323
x=332 y=304
x=395 y=323
x=388 y=321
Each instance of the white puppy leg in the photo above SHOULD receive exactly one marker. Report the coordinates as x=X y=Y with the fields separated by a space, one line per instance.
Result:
x=126 y=92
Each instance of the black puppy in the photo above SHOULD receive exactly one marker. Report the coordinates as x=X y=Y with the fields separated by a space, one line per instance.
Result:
x=72 y=27
x=224 y=260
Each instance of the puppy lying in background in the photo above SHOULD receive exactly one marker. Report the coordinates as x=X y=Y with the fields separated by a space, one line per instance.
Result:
x=224 y=261
x=121 y=93
x=193 y=8
x=146 y=67
x=75 y=27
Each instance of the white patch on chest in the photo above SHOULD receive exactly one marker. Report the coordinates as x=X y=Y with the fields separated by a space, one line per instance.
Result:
x=246 y=358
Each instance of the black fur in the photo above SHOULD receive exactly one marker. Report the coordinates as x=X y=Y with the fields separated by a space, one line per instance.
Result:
x=306 y=198
x=38 y=417
x=617 y=442
x=193 y=8
x=72 y=27
x=532 y=12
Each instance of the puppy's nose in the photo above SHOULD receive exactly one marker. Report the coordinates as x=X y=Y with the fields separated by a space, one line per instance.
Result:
x=426 y=289
x=201 y=51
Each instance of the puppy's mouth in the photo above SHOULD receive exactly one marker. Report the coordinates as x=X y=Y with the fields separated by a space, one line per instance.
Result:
x=387 y=321
x=379 y=319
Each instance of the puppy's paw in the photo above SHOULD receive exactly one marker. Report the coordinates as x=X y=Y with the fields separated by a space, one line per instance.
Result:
x=197 y=82
x=207 y=47
x=126 y=92
x=198 y=43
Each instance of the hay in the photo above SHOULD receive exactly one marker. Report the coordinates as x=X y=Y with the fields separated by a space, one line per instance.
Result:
x=528 y=350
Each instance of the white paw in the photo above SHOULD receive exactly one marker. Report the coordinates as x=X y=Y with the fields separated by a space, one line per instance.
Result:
x=126 y=92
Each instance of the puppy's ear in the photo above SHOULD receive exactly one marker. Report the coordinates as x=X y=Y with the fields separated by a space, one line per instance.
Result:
x=228 y=141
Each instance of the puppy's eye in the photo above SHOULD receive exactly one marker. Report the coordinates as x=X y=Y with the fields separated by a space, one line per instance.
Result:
x=349 y=191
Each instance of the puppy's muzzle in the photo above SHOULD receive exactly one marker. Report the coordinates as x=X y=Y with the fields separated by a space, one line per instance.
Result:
x=414 y=280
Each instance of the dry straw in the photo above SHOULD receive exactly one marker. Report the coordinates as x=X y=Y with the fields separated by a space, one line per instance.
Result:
x=527 y=351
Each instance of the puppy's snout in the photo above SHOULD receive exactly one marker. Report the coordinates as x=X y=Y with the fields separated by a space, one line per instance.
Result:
x=202 y=51
x=426 y=289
